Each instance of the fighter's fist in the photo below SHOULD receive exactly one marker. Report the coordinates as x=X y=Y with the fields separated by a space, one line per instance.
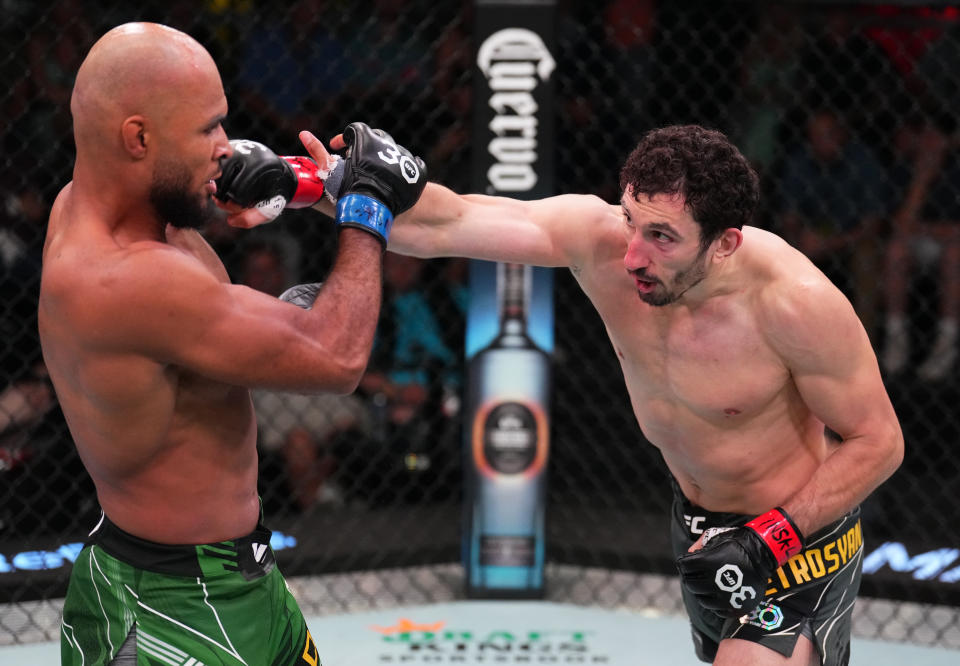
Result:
x=729 y=573
x=255 y=177
x=380 y=180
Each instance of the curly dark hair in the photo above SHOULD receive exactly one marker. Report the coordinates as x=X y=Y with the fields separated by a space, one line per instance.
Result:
x=719 y=186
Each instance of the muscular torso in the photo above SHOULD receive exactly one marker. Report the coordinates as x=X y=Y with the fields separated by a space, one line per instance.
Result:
x=706 y=386
x=172 y=454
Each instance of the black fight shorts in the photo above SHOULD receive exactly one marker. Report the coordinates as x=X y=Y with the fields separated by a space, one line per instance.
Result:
x=811 y=595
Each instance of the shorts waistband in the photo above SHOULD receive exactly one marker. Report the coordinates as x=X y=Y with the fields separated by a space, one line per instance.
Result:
x=250 y=556
x=696 y=519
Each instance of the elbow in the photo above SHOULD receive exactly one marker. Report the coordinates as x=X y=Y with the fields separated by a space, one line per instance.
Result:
x=893 y=451
x=347 y=375
x=896 y=449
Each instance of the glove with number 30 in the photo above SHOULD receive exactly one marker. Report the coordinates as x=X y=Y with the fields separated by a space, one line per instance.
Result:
x=729 y=573
x=380 y=180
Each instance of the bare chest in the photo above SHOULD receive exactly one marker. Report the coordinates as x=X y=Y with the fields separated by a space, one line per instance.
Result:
x=709 y=366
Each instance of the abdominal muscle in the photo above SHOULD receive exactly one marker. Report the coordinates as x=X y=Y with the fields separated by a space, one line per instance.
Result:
x=747 y=468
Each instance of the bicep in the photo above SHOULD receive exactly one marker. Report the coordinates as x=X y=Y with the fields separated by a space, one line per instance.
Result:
x=224 y=332
x=835 y=369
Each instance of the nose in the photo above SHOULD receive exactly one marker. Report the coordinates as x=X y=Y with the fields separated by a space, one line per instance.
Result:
x=223 y=149
x=636 y=256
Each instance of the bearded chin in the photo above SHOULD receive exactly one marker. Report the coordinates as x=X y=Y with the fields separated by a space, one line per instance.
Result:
x=176 y=205
x=684 y=280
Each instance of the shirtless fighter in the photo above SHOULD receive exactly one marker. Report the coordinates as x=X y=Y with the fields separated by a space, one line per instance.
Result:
x=737 y=352
x=152 y=351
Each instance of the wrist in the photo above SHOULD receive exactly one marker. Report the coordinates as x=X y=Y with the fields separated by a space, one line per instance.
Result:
x=364 y=212
x=779 y=533
x=309 y=187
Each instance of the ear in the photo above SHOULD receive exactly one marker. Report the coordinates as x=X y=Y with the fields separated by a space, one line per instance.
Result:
x=727 y=244
x=134 y=135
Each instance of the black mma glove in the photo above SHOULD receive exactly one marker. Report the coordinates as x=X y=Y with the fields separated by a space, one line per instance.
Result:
x=380 y=180
x=255 y=177
x=729 y=573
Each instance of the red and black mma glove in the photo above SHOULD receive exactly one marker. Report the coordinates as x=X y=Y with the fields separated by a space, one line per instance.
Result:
x=729 y=573
x=255 y=177
x=380 y=181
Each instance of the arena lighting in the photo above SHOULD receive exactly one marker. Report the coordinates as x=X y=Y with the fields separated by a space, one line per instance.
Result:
x=932 y=565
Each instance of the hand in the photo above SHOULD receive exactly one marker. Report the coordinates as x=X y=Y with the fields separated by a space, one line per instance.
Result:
x=256 y=185
x=728 y=573
x=380 y=180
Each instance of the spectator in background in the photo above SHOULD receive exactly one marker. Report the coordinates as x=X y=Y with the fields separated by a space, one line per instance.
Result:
x=297 y=433
x=390 y=65
x=411 y=368
x=769 y=70
x=23 y=216
x=30 y=427
x=291 y=65
x=844 y=70
x=54 y=48
x=926 y=224
x=833 y=194
x=451 y=95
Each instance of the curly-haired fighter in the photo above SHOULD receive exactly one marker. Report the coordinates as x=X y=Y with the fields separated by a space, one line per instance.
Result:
x=737 y=352
x=152 y=353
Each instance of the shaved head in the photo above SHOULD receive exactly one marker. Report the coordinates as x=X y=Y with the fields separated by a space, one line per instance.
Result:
x=136 y=69
x=148 y=107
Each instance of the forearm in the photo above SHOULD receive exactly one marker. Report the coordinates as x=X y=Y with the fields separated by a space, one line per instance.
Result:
x=431 y=227
x=476 y=226
x=345 y=313
x=845 y=479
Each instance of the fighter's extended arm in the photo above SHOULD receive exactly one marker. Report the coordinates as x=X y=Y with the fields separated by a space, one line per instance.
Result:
x=818 y=334
x=557 y=231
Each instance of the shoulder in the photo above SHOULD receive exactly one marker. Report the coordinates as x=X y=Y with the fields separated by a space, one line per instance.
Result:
x=103 y=289
x=798 y=309
x=592 y=229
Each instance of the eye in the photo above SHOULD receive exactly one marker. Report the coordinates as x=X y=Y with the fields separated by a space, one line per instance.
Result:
x=660 y=236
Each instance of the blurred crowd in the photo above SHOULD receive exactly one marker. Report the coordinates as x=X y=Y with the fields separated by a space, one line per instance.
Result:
x=848 y=114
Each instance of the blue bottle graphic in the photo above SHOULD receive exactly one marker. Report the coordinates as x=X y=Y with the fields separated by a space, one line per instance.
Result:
x=508 y=443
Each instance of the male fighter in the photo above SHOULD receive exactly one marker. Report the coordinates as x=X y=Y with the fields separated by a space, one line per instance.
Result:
x=152 y=353
x=745 y=366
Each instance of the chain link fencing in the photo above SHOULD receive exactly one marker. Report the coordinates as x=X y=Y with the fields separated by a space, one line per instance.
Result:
x=848 y=112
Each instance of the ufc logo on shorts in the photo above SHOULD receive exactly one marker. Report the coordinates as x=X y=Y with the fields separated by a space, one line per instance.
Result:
x=408 y=168
x=730 y=579
x=694 y=523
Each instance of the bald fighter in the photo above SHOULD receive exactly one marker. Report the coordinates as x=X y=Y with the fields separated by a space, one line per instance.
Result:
x=745 y=366
x=152 y=353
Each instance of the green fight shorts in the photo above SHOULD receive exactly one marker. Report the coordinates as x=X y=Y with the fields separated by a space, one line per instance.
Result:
x=811 y=595
x=144 y=603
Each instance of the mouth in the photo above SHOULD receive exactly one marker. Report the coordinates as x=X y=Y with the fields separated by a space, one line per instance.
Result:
x=645 y=285
x=211 y=186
